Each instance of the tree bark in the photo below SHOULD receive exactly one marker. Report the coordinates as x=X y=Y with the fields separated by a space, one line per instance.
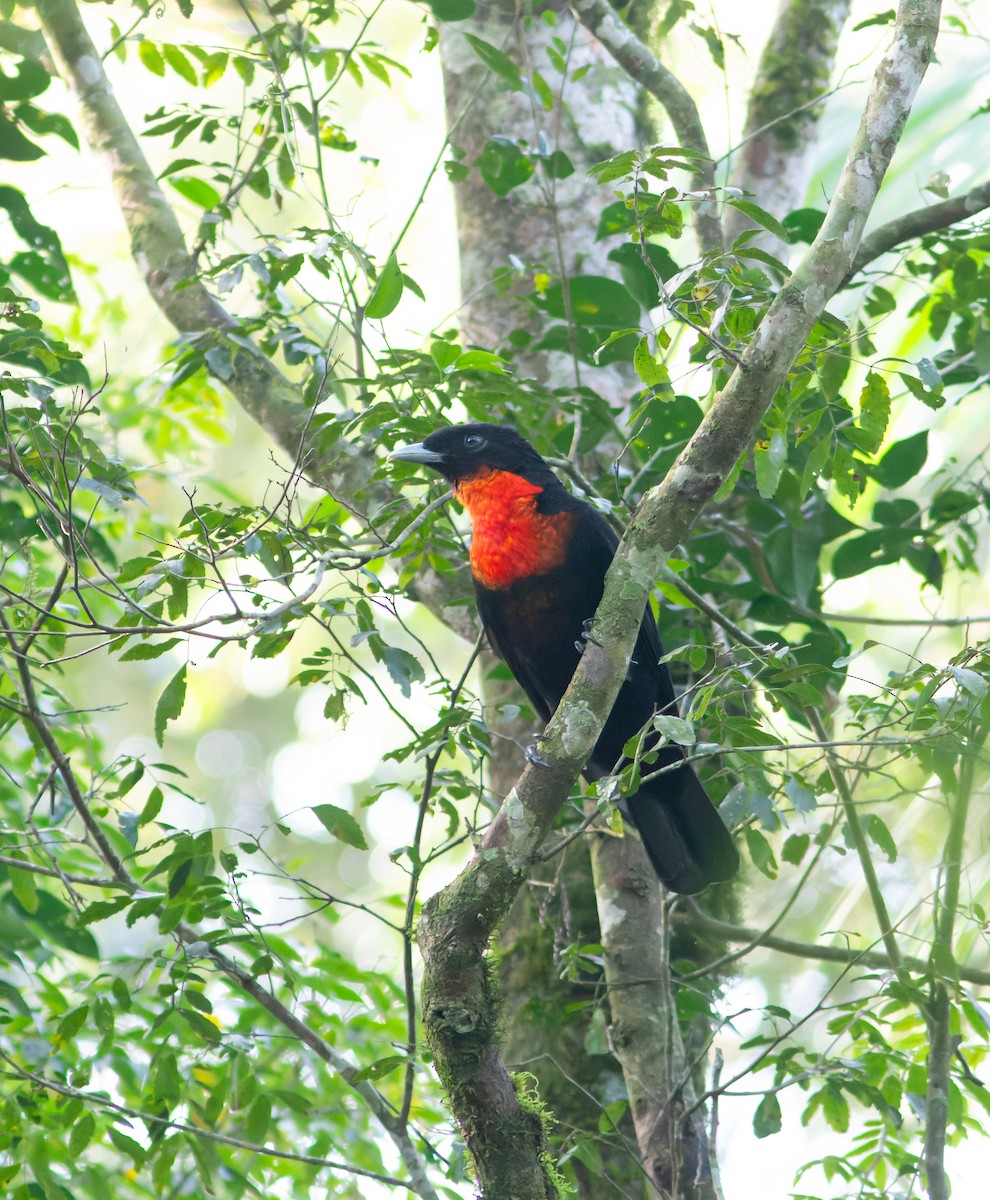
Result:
x=785 y=110
x=646 y=1033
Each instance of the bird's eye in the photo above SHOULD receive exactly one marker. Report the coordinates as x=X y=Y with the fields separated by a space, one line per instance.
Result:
x=473 y=441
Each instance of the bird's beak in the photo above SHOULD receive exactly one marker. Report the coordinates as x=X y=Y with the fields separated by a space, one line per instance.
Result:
x=416 y=453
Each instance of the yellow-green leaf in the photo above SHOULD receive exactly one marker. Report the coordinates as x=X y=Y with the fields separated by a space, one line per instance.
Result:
x=387 y=292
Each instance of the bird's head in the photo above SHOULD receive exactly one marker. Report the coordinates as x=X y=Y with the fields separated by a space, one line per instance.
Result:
x=463 y=452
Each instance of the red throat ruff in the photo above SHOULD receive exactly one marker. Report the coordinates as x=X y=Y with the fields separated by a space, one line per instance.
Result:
x=511 y=540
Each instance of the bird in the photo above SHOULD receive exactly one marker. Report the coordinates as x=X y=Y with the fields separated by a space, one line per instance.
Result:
x=538 y=559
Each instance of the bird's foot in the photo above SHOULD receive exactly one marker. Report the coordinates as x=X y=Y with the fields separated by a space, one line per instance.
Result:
x=533 y=754
x=586 y=637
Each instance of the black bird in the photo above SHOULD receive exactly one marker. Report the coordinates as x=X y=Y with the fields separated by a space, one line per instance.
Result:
x=539 y=557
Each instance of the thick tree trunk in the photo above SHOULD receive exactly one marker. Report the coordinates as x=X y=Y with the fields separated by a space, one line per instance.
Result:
x=544 y=226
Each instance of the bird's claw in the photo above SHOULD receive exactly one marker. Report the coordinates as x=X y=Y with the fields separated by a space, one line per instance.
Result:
x=586 y=634
x=533 y=755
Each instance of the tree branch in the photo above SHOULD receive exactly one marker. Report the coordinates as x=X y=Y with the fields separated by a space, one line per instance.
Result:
x=916 y=224
x=157 y=244
x=694 y=918
x=942 y=1044
x=647 y=70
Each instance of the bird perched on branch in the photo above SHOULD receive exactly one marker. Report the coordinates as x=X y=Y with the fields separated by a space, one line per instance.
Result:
x=538 y=558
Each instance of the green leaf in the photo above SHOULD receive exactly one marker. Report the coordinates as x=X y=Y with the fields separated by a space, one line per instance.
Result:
x=800 y=795
x=615 y=336
x=206 y=1028
x=24 y=887
x=127 y=1145
x=731 y=479
x=503 y=165
x=899 y=512
x=150 y=55
x=57 y=921
x=45 y=266
x=557 y=165
x=641 y=278
x=760 y=852
x=969 y=681
x=387 y=291
x=951 y=504
x=481 y=360
x=152 y=807
x=767 y=1119
x=341 y=824
x=902 y=461
x=619 y=166
x=795 y=848
x=803 y=224
x=595 y=300
x=100 y=910
x=544 y=92
x=650 y=371
x=179 y=63
x=887 y=17
x=404 y=669
x=81 y=1134
x=675 y=729
x=877 y=548
x=769 y=460
x=258 y=1118
x=814 y=464
x=166 y=1083
x=381 y=1068
x=444 y=354
x=835 y=1108
x=877 y=832
x=271 y=645
x=170 y=702
x=929 y=374
x=930 y=397
x=148 y=650
x=128 y=823
x=30 y=80
x=874 y=412
x=498 y=63
x=13 y=144
x=72 y=1022
x=197 y=191
x=760 y=216
x=452 y=10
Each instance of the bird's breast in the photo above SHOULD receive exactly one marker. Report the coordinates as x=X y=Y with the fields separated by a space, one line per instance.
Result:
x=511 y=540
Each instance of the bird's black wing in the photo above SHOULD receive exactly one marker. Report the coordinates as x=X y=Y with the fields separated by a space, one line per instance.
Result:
x=537 y=625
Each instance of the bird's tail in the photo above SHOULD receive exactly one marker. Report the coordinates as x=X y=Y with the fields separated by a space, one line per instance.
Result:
x=685 y=838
